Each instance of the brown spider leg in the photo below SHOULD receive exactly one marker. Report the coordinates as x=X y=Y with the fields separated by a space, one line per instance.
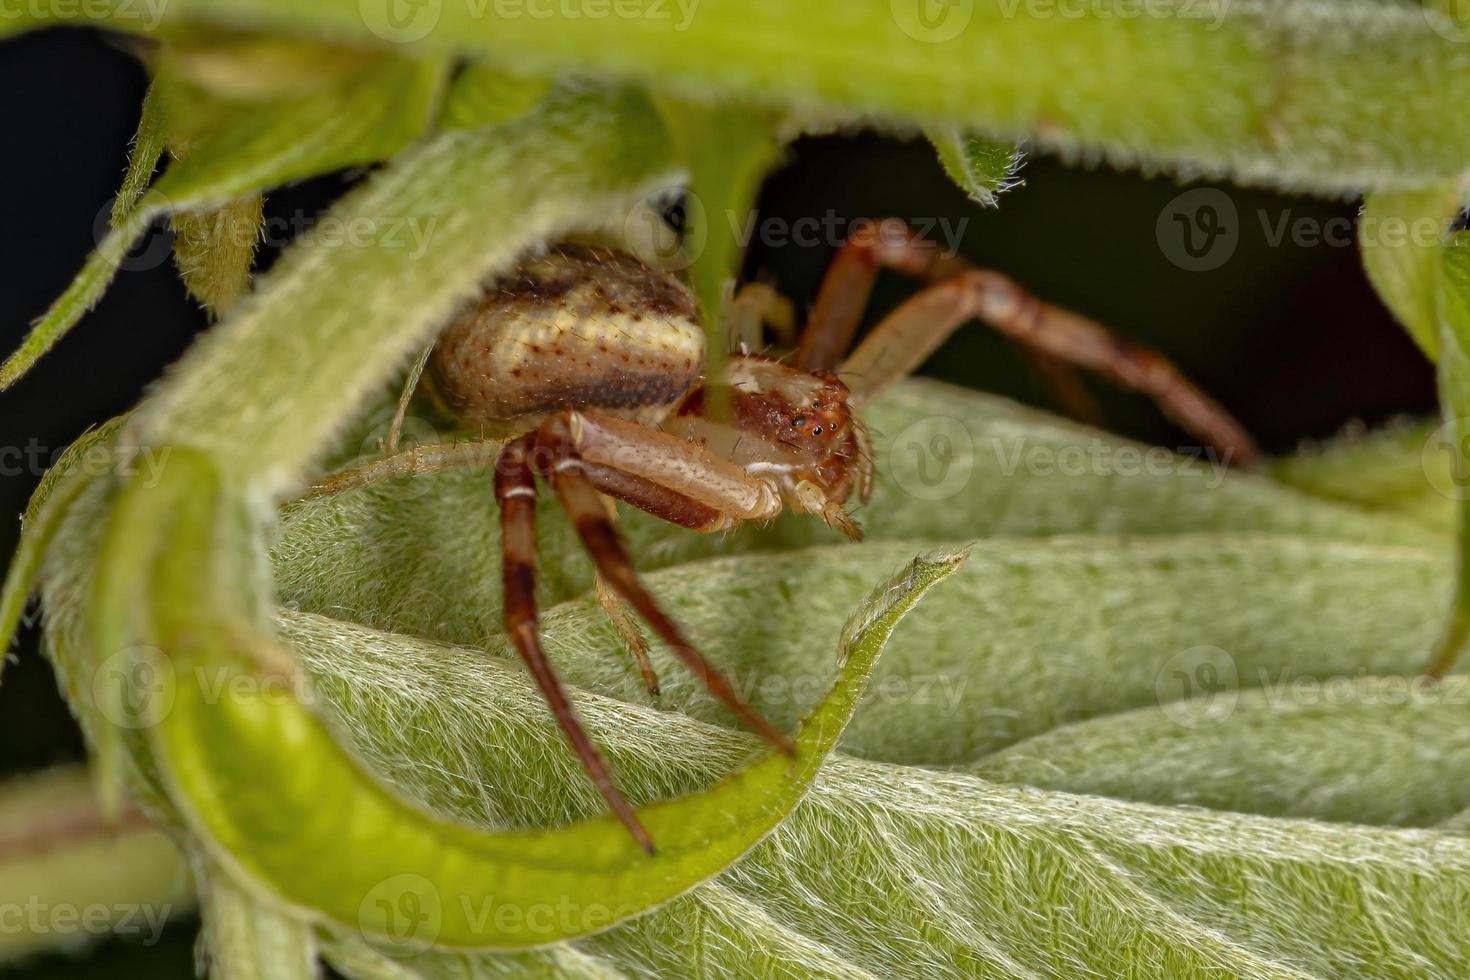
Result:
x=848 y=284
x=912 y=332
x=515 y=492
x=416 y=461
x=577 y=483
x=390 y=444
x=1066 y=386
x=756 y=306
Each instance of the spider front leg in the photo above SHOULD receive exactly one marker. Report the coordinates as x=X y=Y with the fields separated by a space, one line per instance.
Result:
x=584 y=456
x=911 y=333
x=515 y=493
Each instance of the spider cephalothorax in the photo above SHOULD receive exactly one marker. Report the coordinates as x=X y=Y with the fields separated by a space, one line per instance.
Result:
x=589 y=364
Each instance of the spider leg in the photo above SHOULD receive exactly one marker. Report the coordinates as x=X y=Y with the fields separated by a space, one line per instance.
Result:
x=577 y=481
x=848 y=283
x=515 y=492
x=755 y=306
x=414 y=461
x=912 y=332
x=390 y=445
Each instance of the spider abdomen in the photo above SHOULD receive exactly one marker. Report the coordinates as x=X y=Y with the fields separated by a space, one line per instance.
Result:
x=577 y=328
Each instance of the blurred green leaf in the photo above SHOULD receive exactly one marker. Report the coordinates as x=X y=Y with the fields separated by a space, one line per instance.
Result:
x=982 y=168
x=1402 y=234
x=1453 y=308
x=1368 y=98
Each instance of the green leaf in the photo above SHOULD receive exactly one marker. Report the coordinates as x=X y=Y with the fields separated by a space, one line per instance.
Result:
x=149 y=143
x=953 y=465
x=483 y=95
x=982 y=168
x=1453 y=308
x=214 y=250
x=911 y=863
x=247 y=937
x=1346 y=747
x=283 y=827
x=1270 y=93
x=1401 y=235
x=885 y=862
x=1403 y=469
x=726 y=148
x=239 y=150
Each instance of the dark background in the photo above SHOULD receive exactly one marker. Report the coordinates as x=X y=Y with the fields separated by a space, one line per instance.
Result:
x=1291 y=338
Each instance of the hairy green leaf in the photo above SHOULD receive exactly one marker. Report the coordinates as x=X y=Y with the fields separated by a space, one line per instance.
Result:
x=1365 y=95
x=981 y=168
x=1403 y=469
x=1402 y=235
x=886 y=863
x=214 y=249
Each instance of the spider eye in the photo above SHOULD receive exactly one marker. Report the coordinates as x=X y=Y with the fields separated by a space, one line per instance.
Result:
x=817 y=431
x=799 y=421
